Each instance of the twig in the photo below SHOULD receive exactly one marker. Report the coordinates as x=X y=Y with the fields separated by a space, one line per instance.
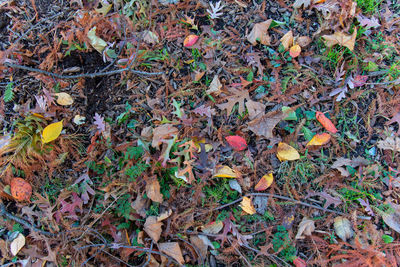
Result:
x=4 y=212
x=83 y=75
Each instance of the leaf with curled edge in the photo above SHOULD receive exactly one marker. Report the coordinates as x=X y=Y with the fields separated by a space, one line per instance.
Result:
x=264 y=125
x=203 y=110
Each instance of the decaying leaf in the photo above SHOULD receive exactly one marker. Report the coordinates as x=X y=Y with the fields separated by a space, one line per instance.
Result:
x=238 y=96
x=153 y=228
x=225 y=172
x=17 y=244
x=392 y=219
x=287 y=40
x=247 y=206
x=264 y=125
x=172 y=249
x=299 y=3
x=162 y=132
x=260 y=33
x=212 y=228
x=215 y=86
x=319 y=139
x=306 y=227
x=105 y=7
x=341 y=39
x=255 y=109
x=343 y=228
x=264 y=182
x=390 y=143
x=238 y=143
x=52 y=131
x=153 y=190
x=287 y=152
x=395 y=119
x=79 y=120
x=303 y=41
x=164 y=215
x=190 y=40
x=64 y=99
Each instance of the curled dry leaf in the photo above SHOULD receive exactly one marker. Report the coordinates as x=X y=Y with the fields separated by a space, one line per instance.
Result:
x=225 y=172
x=319 y=139
x=327 y=123
x=260 y=33
x=21 y=190
x=295 y=51
x=79 y=120
x=97 y=43
x=172 y=249
x=52 y=131
x=303 y=41
x=341 y=39
x=264 y=182
x=287 y=152
x=238 y=143
x=343 y=228
x=153 y=228
x=264 y=125
x=190 y=40
x=64 y=99
x=247 y=206
x=17 y=244
x=306 y=227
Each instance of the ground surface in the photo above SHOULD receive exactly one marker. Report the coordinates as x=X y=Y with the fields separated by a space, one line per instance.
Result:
x=271 y=140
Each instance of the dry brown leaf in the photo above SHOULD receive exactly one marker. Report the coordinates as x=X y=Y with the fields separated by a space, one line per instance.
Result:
x=260 y=33
x=200 y=245
x=264 y=125
x=287 y=40
x=164 y=131
x=390 y=143
x=255 y=109
x=153 y=228
x=341 y=39
x=343 y=228
x=303 y=41
x=153 y=190
x=164 y=215
x=139 y=205
x=215 y=86
x=212 y=228
x=393 y=219
x=238 y=96
x=172 y=249
x=306 y=227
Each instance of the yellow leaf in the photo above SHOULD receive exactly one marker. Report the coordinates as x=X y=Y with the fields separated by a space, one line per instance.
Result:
x=64 y=99
x=97 y=43
x=247 y=206
x=319 y=139
x=52 y=131
x=264 y=182
x=287 y=40
x=286 y=152
x=225 y=172
x=105 y=7
x=341 y=39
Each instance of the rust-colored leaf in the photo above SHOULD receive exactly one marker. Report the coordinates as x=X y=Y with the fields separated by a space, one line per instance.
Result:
x=264 y=182
x=238 y=143
x=190 y=40
x=319 y=139
x=21 y=190
x=327 y=123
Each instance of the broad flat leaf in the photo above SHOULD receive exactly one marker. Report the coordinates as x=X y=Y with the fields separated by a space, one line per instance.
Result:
x=150 y=37
x=163 y=132
x=238 y=96
x=238 y=143
x=17 y=244
x=255 y=109
x=52 y=131
x=247 y=206
x=153 y=190
x=395 y=119
x=225 y=172
x=97 y=43
x=212 y=228
x=319 y=139
x=327 y=123
x=215 y=86
x=287 y=152
x=264 y=125
x=172 y=249
x=343 y=228
x=306 y=227
x=264 y=182
x=287 y=40
x=260 y=33
x=295 y=51
x=64 y=99
x=153 y=228
x=390 y=143
x=341 y=39
x=393 y=219
x=204 y=111
x=190 y=40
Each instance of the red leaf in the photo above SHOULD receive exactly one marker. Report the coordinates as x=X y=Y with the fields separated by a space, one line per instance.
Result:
x=236 y=142
x=328 y=125
x=298 y=262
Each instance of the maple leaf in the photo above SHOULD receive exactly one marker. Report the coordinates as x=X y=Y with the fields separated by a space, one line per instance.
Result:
x=395 y=118
x=329 y=199
x=99 y=122
x=239 y=96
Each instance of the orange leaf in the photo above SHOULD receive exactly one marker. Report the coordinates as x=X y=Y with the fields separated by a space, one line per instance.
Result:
x=21 y=190
x=264 y=182
x=236 y=142
x=319 y=139
x=295 y=51
x=328 y=125
x=190 y=40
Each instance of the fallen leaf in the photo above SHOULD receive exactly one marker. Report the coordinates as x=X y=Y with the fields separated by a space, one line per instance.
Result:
x=260 y=33
x=52 y=131
x=21 y=190
x=225 y=172
x=393 y=219
x=255 y=109
x=319 y=139
x=105 y=7
x=264 y=125
x=287 y=40
x=204 y=110
x=150 y=37
x=153 y=190
x=162 y=132
x=238 y=96
x=390 y=143
x=139 y=205
x=97 y=43
x=395 y=119
x=215 y=86
x=368 y=22
x=299 y=3
x=367 y=207
x=212 y=228
x=295 y=51
x=247 y=206
x=306 y=227
x=64 y=99
x=341 y=39
x=298 y=262
x=164 y=215
x=303 y=41
x=190 y=40
x=329 y=199
x=79 y=120
x=153 y=228
x=201 y=243
x=238 y=143
x=343 y=228
x=327 y=123
x=264 y=182
x=173 y=250
x=17 y=244
x=234 y=185
x=287 y=152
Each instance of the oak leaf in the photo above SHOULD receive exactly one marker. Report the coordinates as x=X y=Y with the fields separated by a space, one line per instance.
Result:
x=161 y=133
x=238 y=96
x=264 y=125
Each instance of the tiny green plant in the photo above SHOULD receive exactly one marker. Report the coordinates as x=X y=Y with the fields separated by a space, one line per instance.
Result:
x=281 y=242
x=9 y=93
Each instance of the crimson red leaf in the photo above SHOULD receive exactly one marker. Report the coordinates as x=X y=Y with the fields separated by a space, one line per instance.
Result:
x=236 y=142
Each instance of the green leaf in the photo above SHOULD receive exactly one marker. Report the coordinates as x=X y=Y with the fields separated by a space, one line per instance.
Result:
x=178 y=111
x=8 y=93
x=291 y=116
x=387 y=239
x=308 y=135
x=111 y=53
x=276 y=23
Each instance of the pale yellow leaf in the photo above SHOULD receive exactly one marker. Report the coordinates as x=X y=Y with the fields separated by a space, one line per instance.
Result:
x=105 y=7
x=225 y=172
x=164 y=215
x=64 y=99
x=343 y=228
x=286 y=152
x=17 y=244
x=341 y=39
x=97 y=43
x=306 y=227
x=153 y=228
x=247 y=206
x=212 y=228
x=52 y=131
x=173 y=250
x=287 y=40
x=79 y=120
x=260 y=33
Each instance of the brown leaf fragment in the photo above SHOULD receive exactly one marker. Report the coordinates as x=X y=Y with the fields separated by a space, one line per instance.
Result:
x=200 y=245
x=390 y=143
x=260 y=33
x=264 y=125
x=153 y=228
x=172 y=249
x=392 y=219
x=153 y=190
x=306 y=227
x=287 y=40
x=139 y=205
x=329 y=199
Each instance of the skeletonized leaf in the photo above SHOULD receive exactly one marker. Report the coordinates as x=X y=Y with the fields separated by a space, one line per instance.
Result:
x=247 y=206
x=319 y=139
x=52 y=131
x=264 y=182
x=64 y=99
x=225 y=172
x=17 y=244
x=286 y=152
x=172 y=249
